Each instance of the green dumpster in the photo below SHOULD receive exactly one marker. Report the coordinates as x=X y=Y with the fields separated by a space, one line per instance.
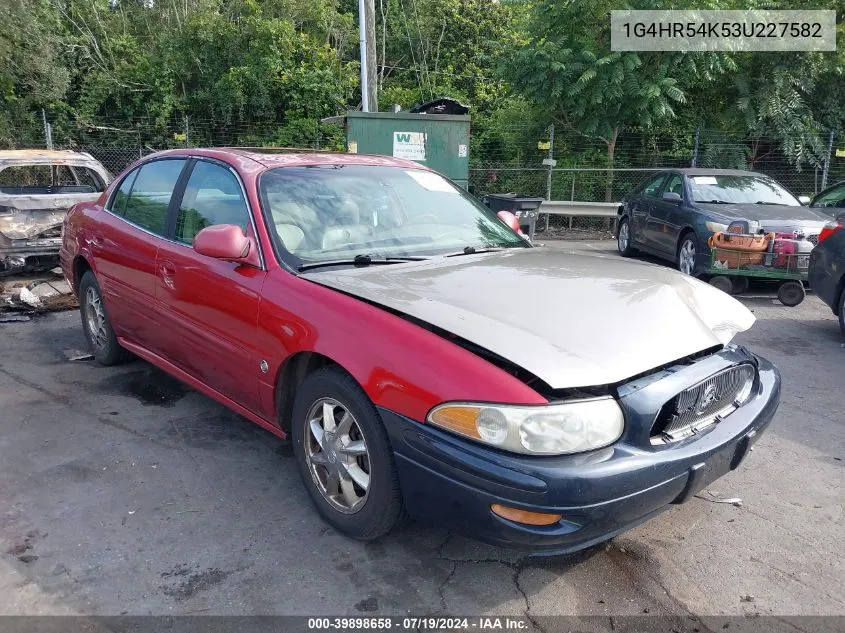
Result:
x=438 y=141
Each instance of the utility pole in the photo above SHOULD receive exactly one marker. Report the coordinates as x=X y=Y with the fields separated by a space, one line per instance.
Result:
x=48 y=130
x=367 y=41
x=827 y=161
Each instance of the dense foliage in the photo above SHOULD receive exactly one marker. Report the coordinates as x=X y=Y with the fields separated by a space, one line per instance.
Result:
x=266 y=71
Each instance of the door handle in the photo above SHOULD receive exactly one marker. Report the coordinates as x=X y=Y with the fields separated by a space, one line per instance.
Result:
x=168 y=274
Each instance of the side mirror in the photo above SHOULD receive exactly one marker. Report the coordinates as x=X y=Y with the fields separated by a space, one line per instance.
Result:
x=804 y=199
x=671 y=196
x=222 y=241
x=510 y=219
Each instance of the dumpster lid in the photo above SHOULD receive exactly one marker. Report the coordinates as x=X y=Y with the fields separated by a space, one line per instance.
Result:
x=443 y=105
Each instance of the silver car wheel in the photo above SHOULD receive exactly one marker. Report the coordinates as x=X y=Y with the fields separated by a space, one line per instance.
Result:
x=96 y=318
x=337 y=455
x=686 y=257
x=623 y=238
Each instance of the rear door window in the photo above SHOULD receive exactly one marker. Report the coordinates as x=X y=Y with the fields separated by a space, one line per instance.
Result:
x=150 y=196
x=118 y=203
x=213 y=196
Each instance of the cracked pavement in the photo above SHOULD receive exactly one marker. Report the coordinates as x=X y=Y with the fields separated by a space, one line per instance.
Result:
x=125 y=492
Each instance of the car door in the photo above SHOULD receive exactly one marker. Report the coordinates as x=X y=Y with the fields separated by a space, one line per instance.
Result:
x=665 y=217
x=640 y=207
x=211 y=305
x=125 y=243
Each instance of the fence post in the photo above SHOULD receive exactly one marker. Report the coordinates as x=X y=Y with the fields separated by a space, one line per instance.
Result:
x=827 y=161
x=695 y=149
x=187 y=132
x=48 y=130
x=551 y=167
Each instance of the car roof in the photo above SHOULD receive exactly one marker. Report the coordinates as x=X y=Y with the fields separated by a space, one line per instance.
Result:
x=703 y=171
x=273 y=157
x=42 y=156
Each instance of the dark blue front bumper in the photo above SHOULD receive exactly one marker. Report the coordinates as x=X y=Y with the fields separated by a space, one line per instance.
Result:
x=453 y=482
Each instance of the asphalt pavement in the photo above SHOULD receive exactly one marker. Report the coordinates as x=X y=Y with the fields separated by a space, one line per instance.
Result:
x=124 y=492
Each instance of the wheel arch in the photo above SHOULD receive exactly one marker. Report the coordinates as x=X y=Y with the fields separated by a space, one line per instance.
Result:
x=686 y=230
x=80 y=267
x=292 y=372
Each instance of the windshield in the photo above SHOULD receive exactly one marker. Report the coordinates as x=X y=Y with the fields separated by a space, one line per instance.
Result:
x=49 y=179
x=740 y=190
x=336 y=212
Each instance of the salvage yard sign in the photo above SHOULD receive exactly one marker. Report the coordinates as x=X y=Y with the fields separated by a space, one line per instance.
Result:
x=409 y=145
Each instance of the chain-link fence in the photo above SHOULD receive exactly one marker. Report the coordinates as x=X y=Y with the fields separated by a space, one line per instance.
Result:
x=531 y=158
x=517 y=159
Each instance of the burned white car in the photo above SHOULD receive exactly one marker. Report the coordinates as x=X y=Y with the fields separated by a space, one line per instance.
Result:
x=37 y=187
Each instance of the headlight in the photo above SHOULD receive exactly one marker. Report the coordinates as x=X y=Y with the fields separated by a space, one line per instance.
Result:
x=555 y=429
x=716 y=227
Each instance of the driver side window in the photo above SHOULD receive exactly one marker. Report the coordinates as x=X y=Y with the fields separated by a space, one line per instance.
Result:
x=675 y=185
x=212 y=196
x=653 y=186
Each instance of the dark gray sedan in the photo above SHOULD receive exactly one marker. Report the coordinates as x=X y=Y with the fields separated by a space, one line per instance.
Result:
x=827 y=261
x=672 y=214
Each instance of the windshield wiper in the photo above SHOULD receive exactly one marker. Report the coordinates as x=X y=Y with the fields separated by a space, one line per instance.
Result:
x=362 y=260
x=472 y=250
x=776 y=204
x=711 y=201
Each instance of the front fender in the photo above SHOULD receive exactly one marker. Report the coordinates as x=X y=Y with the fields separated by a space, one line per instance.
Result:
x=400 y=365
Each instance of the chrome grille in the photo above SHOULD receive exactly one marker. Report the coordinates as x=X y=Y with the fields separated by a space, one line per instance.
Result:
x=700 y=405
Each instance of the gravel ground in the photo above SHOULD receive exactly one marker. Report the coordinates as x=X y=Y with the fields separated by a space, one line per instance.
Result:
x=124 y=492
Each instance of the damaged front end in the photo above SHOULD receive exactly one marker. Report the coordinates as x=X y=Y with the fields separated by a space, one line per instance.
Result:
x=37 y=188
x=30 y=237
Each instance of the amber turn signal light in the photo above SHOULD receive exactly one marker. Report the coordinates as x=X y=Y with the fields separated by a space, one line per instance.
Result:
x=524 y=516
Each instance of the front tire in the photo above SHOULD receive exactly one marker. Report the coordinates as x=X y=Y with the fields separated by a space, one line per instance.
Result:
x=344 y=456
x=623 y=238
x=842 y=312
x=96 y=325
x=687 y=254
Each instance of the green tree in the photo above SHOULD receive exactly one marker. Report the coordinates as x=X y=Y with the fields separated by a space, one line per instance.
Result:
x=567 y=68
x=32 y=72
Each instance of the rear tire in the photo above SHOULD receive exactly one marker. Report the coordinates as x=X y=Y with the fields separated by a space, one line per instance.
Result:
x=791 y=293
x=623 y=238
x=356 y=490
x=842 y=311
x=96 y=325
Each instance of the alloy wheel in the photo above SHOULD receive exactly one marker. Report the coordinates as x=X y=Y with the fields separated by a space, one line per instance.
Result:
x=337 y=455
x=623 y=238
x=686 y=257
x=95 y=317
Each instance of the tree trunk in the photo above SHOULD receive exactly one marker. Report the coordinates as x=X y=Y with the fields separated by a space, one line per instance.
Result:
x=611 y=150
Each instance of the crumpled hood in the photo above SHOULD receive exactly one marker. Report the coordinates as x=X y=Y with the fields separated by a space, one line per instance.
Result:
x=572 y=320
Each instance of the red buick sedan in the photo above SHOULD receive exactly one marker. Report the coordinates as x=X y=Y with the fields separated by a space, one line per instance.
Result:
x=421 y=356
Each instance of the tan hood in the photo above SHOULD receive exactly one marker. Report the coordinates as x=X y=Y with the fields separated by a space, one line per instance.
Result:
x=572 y=320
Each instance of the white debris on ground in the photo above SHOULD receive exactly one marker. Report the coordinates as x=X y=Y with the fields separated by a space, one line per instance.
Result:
x=21 y=296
